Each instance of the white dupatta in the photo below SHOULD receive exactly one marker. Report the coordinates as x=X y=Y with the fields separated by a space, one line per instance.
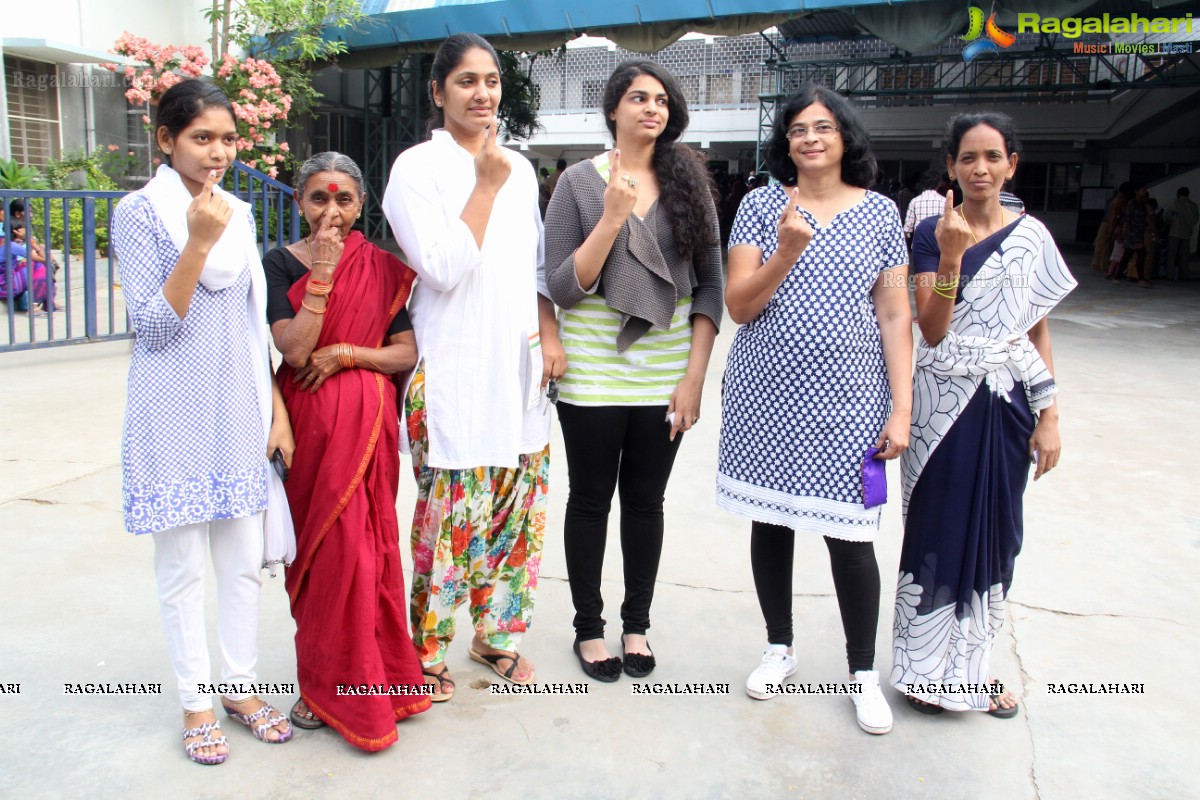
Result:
x=234 y=252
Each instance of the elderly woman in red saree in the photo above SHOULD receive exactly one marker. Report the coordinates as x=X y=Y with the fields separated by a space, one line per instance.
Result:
x=336 y=307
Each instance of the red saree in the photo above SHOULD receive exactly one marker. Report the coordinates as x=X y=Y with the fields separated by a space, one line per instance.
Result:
x=355 y=661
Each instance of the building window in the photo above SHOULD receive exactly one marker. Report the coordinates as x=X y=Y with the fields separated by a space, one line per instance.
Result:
x=33 y=124
x=994 y=73
x=1064 y=187
x=592 y=91
x=1048 y=187
x=690 y=84
x=1030 y=185
x=751 y=81
x=719 y=90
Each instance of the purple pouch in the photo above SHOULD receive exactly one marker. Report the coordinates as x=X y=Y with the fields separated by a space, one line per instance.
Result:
x=874 y=477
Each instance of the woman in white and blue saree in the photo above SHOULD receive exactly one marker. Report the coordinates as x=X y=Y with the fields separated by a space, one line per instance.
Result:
x=983 y=412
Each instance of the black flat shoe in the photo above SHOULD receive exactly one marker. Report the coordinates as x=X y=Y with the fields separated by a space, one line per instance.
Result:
x=608 y=670
x=637 y=665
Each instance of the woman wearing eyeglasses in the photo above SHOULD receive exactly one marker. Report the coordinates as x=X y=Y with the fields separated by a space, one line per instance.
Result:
x=819 y=373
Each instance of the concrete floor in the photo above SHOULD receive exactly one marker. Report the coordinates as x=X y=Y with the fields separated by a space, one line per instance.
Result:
x=1104 y=592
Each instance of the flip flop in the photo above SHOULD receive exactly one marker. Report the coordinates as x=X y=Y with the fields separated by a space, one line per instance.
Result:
x=492 y=661
x=309 y=721
x=440 y=679
x=1000 y=712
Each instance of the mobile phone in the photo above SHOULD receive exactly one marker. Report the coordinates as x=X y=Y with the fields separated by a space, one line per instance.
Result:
x=278 y=463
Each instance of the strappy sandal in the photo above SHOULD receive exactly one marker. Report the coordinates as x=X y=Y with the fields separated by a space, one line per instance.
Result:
x=441 y=680
x=269 y=716
x=493 y=662
x=209 y=740
x=307 y=720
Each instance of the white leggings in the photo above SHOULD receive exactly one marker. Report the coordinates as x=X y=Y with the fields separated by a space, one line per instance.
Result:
x=237 y=553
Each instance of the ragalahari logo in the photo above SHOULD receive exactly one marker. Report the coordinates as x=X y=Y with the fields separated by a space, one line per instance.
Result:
x=996 y=38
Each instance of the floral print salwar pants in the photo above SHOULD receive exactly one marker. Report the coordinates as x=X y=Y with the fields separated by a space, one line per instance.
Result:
x=477 y=535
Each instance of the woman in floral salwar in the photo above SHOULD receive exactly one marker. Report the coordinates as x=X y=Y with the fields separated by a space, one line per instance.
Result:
x=983 y=410
x=465 y=212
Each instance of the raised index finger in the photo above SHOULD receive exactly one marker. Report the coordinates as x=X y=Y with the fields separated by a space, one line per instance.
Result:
x=949 y=203
x=791 y=198
x=209 y=182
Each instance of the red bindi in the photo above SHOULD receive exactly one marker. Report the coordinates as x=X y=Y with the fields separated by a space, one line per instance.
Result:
x=333 y=187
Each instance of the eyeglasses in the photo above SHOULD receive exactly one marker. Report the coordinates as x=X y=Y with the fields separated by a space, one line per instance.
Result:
x=820 y=129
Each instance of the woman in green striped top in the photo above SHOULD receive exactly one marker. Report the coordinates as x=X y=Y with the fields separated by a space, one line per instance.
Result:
x=640 y=286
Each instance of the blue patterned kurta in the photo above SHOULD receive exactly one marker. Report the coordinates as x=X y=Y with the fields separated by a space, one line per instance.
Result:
x=805 y=390
x=194 y=448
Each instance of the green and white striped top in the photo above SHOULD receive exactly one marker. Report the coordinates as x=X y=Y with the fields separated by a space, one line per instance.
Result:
x=644 y=375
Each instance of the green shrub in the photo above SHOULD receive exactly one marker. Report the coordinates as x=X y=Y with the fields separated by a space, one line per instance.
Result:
x=15 y=176
x=74 y=226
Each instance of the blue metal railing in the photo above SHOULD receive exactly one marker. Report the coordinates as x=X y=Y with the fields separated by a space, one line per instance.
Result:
x=74 y=228
x=272 y=201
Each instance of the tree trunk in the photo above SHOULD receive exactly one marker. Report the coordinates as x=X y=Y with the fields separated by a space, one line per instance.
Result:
x=216 y=42
x=225 y=26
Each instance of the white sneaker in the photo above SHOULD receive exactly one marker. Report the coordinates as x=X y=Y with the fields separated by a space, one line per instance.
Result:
x=874 y=716
x=777 y=665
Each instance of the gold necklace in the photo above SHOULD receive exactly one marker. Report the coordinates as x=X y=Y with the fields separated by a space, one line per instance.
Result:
x=964 y=219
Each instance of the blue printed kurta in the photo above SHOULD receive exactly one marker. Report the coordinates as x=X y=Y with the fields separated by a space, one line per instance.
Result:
x=805 y=390
x=193 y=448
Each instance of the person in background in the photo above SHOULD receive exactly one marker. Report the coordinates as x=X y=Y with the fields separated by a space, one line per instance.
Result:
x=546 y=188
x=1110 y=230
x=928 y=203
x=1182 y=217
x=1011 y=202
x=1133 y=237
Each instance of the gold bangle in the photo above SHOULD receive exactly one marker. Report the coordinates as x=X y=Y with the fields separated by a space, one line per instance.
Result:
x=345 y=355
x=322 y=261
x=304 y=304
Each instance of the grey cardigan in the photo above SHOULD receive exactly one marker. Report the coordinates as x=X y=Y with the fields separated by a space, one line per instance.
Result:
x=644 y=276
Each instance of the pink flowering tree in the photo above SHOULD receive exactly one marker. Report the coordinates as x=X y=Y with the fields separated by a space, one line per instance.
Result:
x=260 y=105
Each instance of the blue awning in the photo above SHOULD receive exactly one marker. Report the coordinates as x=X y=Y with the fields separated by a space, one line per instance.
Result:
x=408 y=25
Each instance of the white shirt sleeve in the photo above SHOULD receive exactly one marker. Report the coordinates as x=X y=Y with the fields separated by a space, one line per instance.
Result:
x=437 y=244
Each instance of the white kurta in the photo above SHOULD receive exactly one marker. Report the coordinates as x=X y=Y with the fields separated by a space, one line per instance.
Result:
x=474 y=312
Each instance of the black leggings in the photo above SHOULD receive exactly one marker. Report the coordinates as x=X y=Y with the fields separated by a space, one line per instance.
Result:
x=855 y=578
x=622 y=447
